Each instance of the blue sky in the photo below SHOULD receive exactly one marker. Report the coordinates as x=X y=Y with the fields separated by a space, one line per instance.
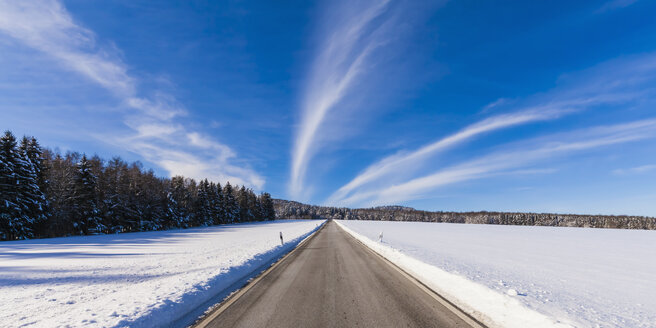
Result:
x=441 y=105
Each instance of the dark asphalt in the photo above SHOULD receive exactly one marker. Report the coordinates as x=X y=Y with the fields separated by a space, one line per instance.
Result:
x=334 y=281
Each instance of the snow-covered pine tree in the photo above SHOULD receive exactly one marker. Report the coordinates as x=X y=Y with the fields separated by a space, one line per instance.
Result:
x=35 y=154
x=156 y=200
x=209 y=207
x=190 y=201
x=148 y=198
x=172 y=215
x=245 y=213
x=255 y=206
x=21 y=200
x=219 y=205
x=30 y=174
x=148 y=202
x=177 y=210
x=268 y=211
x=109 y=207
x=230 y=204
x=118 y=199
x=60 y=175
x=215 y=203
x=11 y=223
x=129 y=189
x=83 y=201
x=202 y=204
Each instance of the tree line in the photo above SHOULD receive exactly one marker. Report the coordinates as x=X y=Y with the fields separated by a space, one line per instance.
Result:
x=295 y=210
x=46 y=194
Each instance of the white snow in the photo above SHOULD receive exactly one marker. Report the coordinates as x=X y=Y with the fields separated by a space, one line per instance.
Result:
x=517 y=276
x=145 y=279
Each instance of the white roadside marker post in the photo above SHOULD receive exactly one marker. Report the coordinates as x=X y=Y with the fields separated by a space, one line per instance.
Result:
x=380 y=237
x=281 y=242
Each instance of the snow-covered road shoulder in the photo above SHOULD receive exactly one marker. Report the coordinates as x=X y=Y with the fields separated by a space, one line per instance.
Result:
x=486 y=305
x=147 y=279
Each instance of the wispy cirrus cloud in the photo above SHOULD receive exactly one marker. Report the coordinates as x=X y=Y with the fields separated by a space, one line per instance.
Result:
x=168 y=146
x=46 y=25
x=341 y=61
x=512 y=158
x=636 y=170
x=612 y=83
x=407 y=161
x=614 y=4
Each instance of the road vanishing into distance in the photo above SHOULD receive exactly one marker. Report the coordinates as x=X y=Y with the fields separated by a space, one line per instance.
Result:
x=333 y=280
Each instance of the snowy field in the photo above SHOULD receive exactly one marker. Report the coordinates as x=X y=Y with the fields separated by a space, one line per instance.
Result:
x=145 y=279
x=517 y=276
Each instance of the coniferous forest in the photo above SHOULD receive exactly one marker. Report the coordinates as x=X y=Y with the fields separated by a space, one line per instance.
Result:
x=46 y=194
x=296 y=210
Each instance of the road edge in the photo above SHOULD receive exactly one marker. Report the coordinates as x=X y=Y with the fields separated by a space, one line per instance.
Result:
x=219 y=308
x=468 y=318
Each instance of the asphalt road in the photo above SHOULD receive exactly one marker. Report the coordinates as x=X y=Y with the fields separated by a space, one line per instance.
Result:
x=334 y=281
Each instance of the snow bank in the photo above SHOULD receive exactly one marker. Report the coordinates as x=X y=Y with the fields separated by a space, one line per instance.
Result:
x=516 y=276
x=145 y=279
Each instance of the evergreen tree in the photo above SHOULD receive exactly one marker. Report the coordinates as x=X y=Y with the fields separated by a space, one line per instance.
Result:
x=173 y=212
x=216 y=203
x=35 y=155
x=245 y=213
x=20 y=197
x=31 y=198
x=222 y=213
x=178 y=197
x=113 y=200
x=255 y=206
x=83 y=201
x=78 y=195
x=202 y=204
x=12 y=225
x=60 y=174
x=114 y=203
x=149 y=198
x=268 y=211
x=230 y=205
x=129 y=192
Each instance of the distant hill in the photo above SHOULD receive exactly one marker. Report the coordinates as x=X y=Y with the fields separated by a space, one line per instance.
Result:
x=393 y=208
x=295 y=210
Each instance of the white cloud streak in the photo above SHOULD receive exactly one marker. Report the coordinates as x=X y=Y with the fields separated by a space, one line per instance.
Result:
x=501 y=161
x=613 y=5
x=636 y=170
x=45 y=25
x=612 y=83
x=48 y=27
x=395 y=163
x=340 y=62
